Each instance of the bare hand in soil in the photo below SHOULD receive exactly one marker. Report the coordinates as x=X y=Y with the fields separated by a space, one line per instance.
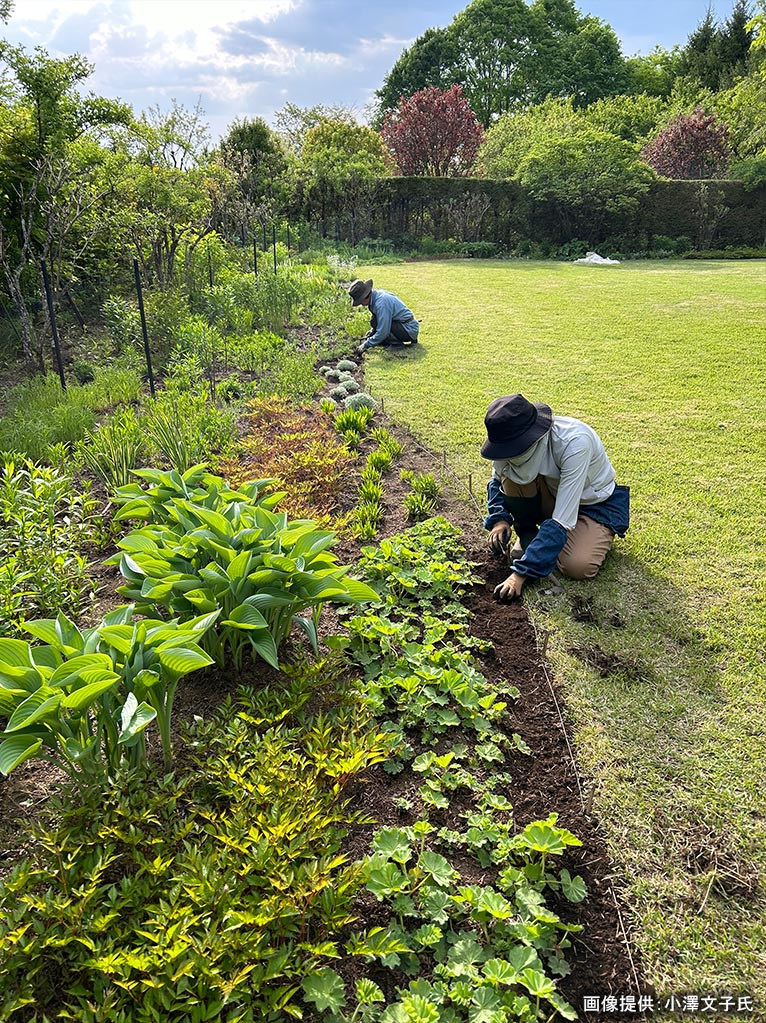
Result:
x=510 y=589
x=499 y=537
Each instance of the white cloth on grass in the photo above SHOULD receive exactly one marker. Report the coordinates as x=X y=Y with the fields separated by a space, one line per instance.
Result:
x=593 y=259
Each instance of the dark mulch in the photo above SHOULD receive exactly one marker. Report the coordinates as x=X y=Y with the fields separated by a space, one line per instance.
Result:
x=545 y=781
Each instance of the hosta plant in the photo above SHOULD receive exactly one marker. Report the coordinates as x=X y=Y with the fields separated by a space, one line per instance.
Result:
x=83 y=699
x=242 y=559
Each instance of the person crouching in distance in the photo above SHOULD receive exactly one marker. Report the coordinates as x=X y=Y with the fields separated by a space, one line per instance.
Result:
x=391 y=322
x=553 y=482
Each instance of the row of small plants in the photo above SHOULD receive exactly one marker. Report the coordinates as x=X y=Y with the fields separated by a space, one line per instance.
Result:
x=453 y=951
x=215 y=573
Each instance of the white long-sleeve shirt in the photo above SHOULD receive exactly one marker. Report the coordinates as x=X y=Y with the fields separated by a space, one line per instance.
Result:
x=575 y=466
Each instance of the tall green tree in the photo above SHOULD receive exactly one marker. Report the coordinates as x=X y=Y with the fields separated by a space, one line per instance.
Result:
x=508 y=53
x=511 y=137
x=293 y=122
x=340 y=167
x=174 y=191
x=258 y=158
x=587 y=176
x=47 y=171
x=433 y=61
x=653 y=73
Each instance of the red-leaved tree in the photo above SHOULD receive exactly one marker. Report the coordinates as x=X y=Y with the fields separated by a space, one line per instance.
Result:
x=434 y=133
x=693 y=145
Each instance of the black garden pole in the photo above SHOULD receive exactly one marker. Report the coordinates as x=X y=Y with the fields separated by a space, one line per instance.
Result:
x=52 y=318
x=255 y=255
x=274 y=242
x=139 y=292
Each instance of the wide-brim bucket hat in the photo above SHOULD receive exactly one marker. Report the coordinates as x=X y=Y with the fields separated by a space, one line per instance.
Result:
x=359 y=290
x=513 y=425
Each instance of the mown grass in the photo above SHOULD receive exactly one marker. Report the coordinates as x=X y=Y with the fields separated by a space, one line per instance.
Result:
x=668 y=362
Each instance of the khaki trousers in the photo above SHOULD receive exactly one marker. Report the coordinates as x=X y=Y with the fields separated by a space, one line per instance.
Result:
x=588 y=543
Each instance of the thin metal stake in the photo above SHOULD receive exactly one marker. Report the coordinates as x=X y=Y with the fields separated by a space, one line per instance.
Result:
x=255 y=255
x=274 y=240
x=54 y=328
x=139 y=292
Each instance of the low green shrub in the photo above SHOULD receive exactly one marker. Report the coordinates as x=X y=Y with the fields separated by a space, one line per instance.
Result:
x=360 y=400
x=187 y=428
x=44 y=527
x=224 y=876
x=733 y=252
x=380 y=460
x=83 y=372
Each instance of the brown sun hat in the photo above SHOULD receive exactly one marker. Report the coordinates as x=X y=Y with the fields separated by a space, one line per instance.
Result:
x=513 y=425
x=359 y=290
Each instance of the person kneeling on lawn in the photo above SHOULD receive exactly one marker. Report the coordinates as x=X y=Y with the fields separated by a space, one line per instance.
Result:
x=391 y=322
x=553 y=482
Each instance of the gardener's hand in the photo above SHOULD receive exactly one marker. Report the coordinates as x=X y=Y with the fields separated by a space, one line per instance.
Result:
x=499 y=537
x=511 y=588
x=362 y=348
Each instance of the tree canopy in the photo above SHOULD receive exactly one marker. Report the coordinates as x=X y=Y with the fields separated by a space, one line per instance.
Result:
x=435 y=132
x=506 y=53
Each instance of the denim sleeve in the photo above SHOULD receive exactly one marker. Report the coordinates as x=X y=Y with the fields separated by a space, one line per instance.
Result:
x=543 y=552
x=383 y=326
x=496 y=509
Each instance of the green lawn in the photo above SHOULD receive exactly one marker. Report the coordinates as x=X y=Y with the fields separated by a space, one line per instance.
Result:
x=667 y=360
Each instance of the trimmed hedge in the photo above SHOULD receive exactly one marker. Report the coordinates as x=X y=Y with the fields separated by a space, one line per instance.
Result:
x=711 y=214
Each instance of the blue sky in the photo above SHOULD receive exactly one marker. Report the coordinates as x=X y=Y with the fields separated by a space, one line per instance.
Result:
x=247 y=58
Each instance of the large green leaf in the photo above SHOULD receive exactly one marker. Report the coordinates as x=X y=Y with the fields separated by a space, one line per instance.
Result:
x=310 y=629
x=138 y=542
x=44 y=629
x=325 y=989
x=66 y=672
x=270 y=598
x=246 y=617
x=159 y=591
x=16 y=750
x=217 y=522
x=358 y=592
x=181 y=660
x=134 y=718
x=40 y=705
x=16 y=653
x=121 y=615
x=121 y=637
x=264 y=576
x=202 y=599
x=240 y=566
x=263 y=643
x=88 y=694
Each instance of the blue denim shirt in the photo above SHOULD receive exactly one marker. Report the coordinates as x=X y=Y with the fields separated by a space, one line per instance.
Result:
x=542 y=554
x=387 y=308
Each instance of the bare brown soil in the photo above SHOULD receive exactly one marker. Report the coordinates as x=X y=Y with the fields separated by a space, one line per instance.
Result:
x=547 y=780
